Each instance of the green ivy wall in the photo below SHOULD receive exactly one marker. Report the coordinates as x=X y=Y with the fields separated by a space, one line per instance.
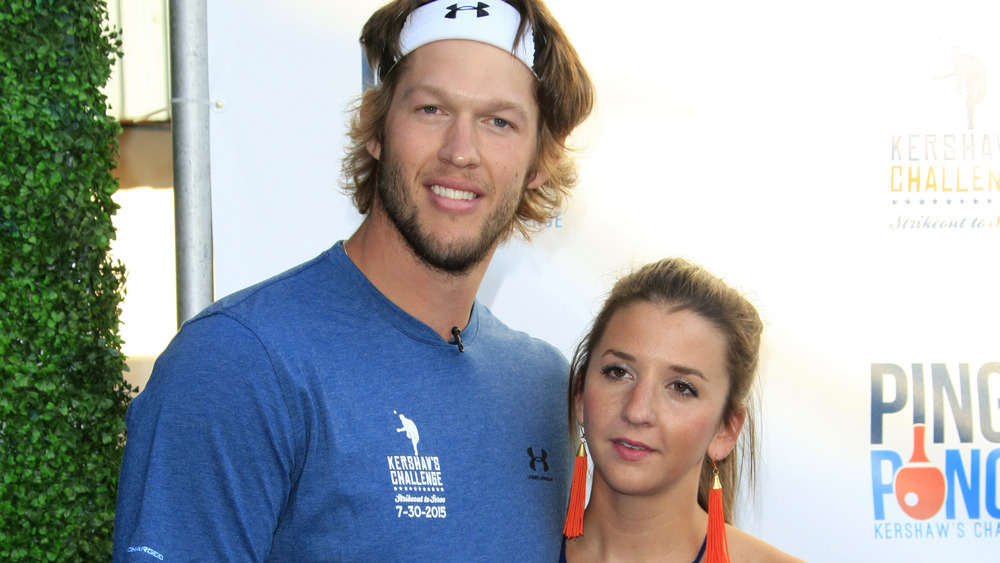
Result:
x=62 y=395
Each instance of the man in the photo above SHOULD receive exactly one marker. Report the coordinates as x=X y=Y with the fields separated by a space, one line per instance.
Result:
x=270 y=427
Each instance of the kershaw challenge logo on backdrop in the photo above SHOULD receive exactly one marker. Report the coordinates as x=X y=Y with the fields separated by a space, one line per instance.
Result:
x=937 y=477
x=948 y=180
x=556 y=222
x=417 y=485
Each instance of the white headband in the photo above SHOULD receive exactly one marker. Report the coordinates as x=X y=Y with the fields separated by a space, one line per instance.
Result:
x=494 y=23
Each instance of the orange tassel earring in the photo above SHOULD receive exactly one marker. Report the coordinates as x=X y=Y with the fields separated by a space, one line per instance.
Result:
x=577 y=493
x=717 y=550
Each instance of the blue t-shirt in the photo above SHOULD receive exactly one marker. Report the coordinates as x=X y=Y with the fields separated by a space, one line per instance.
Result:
x=308 y=418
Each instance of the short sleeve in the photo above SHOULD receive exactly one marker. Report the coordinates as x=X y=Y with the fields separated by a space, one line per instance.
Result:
x=210 y=454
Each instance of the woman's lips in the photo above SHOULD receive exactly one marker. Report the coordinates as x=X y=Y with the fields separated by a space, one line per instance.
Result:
x=630 y=450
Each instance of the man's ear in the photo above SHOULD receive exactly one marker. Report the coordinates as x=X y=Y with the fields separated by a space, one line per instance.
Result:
x=538 y=176
x=373 y=145
x=537 y=180
x=374 y=148
x=725 y=438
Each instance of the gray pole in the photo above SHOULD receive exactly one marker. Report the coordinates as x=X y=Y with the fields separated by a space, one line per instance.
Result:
x=192 y=172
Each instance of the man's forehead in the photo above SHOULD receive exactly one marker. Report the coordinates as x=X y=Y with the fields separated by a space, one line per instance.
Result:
x=458 y=68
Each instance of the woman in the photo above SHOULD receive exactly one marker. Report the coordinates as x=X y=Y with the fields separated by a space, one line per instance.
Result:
x=659 y=387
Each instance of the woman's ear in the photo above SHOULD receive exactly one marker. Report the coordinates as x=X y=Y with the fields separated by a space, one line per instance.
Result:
x=578 y=409
x=725 y=438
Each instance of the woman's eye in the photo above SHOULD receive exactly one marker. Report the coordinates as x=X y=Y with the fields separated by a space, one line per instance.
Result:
x=684 y=388
x=429 y=109
x=615 y=372
x=500 y=123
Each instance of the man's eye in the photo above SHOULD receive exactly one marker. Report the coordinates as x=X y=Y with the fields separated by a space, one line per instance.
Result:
x=500 y=122
x=429 y=109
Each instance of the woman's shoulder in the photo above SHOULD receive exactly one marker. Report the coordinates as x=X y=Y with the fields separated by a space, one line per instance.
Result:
x=745 y=548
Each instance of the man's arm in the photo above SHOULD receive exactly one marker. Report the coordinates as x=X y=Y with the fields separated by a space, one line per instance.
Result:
x=209 y=453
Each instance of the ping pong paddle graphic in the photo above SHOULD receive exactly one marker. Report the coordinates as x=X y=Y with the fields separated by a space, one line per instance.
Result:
x=920 y=486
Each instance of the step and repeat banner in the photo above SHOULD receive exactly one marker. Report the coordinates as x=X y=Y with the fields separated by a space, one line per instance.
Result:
x=839 y=162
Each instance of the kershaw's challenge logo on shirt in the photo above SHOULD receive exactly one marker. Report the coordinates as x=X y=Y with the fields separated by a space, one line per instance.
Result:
x=416 y=480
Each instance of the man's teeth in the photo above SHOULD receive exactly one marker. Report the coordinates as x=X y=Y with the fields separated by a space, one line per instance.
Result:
x=452 y=194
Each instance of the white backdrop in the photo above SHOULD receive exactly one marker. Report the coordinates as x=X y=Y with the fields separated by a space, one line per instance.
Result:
x=760 y=140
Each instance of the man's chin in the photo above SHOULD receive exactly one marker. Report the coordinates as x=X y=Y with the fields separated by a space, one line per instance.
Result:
x=451 y=263
x=455 y=257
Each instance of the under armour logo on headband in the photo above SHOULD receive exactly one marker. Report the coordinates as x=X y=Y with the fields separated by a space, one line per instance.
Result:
x=480 y=10
x=425 y=25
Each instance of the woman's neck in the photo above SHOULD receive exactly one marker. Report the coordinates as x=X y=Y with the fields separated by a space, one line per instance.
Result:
x=668 y=527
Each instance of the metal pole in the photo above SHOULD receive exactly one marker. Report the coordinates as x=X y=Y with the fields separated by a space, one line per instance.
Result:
x=192 y=171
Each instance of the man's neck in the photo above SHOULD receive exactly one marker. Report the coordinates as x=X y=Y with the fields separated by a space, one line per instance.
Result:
x=440 y=300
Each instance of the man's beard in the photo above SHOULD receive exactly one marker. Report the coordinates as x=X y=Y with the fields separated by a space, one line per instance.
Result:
x=457 y=258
